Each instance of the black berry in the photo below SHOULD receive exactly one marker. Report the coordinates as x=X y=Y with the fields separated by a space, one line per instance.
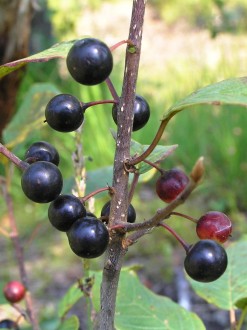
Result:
x=42 y=151
x=131 y=216
x=64 y=113
x=171 y=184
x=8 y=324
x=42 y=182
x=214 y=225
x=206 y=261
x=14 y=291
x=141 y=113
x=64 y=211
x=89 y=61
x=88 y=237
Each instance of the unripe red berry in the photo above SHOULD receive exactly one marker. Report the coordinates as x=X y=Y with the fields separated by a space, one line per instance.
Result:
x=170 y=184
x=214 y=225
x=14 y=291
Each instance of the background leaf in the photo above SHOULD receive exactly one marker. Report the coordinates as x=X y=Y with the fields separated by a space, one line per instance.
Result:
x=71 y=323
x=140 y=309
x=159 y=153
x=70 y=298
x=59 y=50
x=231 y=287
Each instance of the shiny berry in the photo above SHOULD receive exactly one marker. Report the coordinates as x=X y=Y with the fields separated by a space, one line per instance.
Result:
x=14 y=291
x=42 y=182
x=141 y=113
x=206 y=261
x=42 y=151
x=214 y=225
x=88 y=237
x=89 y=61
x=64 y=211
x=8 y=324
x=64 y=113
x=170 y=184
x=131 y=216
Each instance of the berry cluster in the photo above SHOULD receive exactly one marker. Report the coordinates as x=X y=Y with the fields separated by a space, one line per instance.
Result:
x=90 y=62
x=206 y=260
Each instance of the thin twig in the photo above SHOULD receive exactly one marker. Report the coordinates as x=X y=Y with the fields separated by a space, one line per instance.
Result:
x=112 y=89
x=178 y=237
x=13 y=158
x=14 y=235
x=133 y=185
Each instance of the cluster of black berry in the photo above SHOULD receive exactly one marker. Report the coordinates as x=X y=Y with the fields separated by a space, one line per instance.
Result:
x=89 y=62
x=206 y=260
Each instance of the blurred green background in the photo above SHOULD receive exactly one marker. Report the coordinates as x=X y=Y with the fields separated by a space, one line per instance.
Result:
x=186 y=45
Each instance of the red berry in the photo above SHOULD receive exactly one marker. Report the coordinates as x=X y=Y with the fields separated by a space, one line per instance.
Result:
x=171 y=184
x=214 y=225
x=14 y=291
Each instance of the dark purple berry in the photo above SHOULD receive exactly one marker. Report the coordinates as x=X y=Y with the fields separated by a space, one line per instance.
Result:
x=8 y=324
x=42 y=151
x=88 y=237
x=89 y=61
x=141 y=113
x=131 y=216
x=206 y=261
x=64 y=113
x=171 y=184
x=64 y=211
x=214 y=225
x=42 y=182
x=14 y=291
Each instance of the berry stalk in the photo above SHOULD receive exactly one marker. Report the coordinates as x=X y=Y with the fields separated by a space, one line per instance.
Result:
x=13 y=158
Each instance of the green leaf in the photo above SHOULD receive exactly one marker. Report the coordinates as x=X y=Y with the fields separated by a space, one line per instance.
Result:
x=140 y=309
x=71 y=323
x=70 y=298
x=230 y=91
x=158 y=154
x=230 y=290
x=30 y=115
x=59 y=50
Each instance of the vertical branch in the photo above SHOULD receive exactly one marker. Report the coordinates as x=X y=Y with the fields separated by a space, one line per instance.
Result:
x=119 y=203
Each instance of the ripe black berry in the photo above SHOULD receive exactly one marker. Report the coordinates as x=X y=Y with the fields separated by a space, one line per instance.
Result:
x=141 y=113
x=131 y=216
x=64 y=211
x=42 y=151
x=64 y=113
x=171 y=184
x=14 y=291
x=214 y=225
x=88 y=237
x=42 y=182
x=206 y=261
x=8 y=324
x=89 y=61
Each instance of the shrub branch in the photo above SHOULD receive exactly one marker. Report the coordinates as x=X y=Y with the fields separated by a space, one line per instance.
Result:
x=119 y=202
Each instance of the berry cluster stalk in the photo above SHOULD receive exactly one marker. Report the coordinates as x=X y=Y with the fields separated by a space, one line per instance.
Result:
x=119 y=203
